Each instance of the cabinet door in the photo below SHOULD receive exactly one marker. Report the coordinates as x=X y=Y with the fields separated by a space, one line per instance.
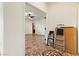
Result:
x=70 y=40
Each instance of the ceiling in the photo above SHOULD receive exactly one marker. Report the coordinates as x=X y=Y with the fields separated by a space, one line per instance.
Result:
x=38 y=14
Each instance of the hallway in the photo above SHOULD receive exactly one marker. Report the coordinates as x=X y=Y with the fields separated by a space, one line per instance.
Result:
x=36 y=46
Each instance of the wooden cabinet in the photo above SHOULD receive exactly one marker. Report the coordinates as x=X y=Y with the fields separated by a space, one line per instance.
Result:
x=70 y=40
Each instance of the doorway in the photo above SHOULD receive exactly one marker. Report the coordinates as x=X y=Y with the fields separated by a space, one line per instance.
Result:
x=35 y=28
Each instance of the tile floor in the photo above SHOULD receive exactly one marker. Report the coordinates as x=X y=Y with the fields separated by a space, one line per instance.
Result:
x=36 y=46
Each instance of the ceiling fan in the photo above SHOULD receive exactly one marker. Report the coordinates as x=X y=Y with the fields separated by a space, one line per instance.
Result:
x=29 y=15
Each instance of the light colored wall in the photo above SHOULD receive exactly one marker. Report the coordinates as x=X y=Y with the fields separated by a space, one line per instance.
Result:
x=39 y=26
x=61 y=13
x=28 y=26
x=14 y=37
x=40 y=5
x=1 y=28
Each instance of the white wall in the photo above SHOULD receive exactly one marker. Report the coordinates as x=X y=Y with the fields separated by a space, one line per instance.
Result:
x=1 y=28
x=61 y=13
x=28 y=26
x=14 y=37
x=40 y=5
x=39 y=26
